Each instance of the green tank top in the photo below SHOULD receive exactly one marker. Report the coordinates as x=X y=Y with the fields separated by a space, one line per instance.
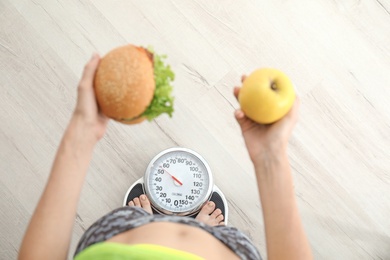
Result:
x=117 y=251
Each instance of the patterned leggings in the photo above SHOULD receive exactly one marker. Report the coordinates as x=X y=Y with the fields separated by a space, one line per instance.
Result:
x=126 y=218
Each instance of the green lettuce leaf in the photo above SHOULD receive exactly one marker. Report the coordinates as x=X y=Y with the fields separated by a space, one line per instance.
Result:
x=162 y=101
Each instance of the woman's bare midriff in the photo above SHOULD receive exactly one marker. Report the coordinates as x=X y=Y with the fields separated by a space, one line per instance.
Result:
x=178 y=236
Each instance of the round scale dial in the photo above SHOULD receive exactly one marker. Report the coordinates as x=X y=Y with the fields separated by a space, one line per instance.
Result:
x=178 y=181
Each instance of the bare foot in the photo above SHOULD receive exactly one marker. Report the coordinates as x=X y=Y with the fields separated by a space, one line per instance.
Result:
x=142 y=202
x=210 y=216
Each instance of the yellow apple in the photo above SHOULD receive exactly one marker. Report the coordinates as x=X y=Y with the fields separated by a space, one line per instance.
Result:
x=266 y=95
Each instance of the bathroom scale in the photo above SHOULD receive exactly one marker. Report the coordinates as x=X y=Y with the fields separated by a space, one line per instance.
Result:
x=178 y=181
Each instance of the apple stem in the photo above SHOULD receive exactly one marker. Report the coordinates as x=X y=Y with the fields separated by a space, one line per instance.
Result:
x=273 y=85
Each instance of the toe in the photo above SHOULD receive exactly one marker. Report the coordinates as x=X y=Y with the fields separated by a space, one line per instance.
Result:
x=208 y=208
x=137 y=202
x=222 y=224
x=216 y=213
x=131 y=203
x=145 y=203
x=220 y=218
x=144 y=200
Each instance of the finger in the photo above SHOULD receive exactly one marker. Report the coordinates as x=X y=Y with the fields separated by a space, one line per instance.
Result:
x=89 y=72
x=243 y=78
x=240 y=117
x=236 y=92
x=293 y=113
x=288 y=122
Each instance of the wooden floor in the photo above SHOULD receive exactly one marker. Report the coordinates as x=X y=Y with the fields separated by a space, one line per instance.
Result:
x=336 y=52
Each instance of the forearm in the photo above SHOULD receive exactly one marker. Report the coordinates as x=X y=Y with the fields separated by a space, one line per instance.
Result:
x=49 y=232
x=284 y=231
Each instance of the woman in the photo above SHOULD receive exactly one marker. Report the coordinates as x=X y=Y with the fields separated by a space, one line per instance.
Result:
x=142 y=235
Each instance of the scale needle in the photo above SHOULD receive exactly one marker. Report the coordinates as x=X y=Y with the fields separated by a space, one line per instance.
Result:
x=173 y=177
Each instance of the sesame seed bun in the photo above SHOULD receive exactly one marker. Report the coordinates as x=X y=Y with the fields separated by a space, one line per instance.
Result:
x=124 y=83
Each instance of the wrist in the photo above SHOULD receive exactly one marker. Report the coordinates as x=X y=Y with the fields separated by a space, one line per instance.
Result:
x=270 y=155
x=80 y=132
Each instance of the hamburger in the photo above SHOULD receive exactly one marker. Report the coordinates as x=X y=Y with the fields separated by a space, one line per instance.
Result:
x=133 y=84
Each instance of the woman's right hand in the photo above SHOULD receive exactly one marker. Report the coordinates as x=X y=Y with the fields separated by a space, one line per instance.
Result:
x=87 y=112
x=260 y=138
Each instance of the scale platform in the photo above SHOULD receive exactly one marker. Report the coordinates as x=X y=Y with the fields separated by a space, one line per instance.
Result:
x=137 y=189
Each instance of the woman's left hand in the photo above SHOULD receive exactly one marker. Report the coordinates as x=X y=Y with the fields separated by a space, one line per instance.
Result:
x=87 y=112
